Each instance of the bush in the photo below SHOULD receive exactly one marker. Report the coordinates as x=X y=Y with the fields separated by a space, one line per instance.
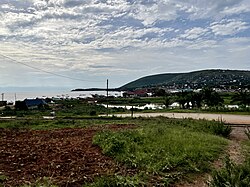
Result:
x=221 y=129
x=92 y=113
x=232 y=175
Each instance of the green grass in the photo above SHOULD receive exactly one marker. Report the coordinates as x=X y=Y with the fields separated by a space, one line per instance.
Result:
x=168 y=149
x=232 y=175
x=161 y=150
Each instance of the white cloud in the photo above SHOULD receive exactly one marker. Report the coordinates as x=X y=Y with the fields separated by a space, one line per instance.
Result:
x=228 y=27
x=125 y=38
x=194 y=33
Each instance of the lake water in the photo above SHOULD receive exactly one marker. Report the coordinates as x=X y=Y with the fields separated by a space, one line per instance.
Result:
x=20 y=96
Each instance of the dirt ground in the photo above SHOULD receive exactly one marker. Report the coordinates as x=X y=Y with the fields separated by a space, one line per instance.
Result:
x=67 y=156
x=227 y=118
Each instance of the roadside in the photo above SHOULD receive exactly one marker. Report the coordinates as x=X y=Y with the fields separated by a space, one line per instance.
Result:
x=226 y=118
x=234 y=151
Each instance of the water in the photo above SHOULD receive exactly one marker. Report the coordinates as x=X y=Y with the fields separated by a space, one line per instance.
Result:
x=20 y=96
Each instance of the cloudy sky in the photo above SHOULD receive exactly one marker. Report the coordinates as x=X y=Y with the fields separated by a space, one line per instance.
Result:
x=81 y=43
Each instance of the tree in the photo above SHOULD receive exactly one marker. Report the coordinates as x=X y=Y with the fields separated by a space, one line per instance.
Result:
x=242 y=97
x=211 y=97
x=196 y=99
x=167 y=101
x=182 y=99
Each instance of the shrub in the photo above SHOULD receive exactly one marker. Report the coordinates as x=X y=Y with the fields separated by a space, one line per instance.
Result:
x=92 y=113
x=221 y=129
x=232 y=175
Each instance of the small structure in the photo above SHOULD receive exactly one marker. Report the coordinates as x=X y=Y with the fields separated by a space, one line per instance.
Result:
x=136 y=93
x=30 y=104
x=35 y=103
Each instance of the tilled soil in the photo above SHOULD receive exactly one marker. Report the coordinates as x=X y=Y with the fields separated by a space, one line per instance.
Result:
x=67 y=156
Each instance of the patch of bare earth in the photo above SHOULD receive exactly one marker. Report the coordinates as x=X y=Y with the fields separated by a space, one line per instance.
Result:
x=233 y=150
x=67 y=156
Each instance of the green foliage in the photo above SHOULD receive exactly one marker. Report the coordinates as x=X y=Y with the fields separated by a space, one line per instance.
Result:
x=43 y=182
x=211 y=98
x=162 y=148
x=78 y=108
x=220 y=129
x=212 y=127
x=92 y=113
x=242 y=98
x=200 y=78
x=3 y=178
x=116 y=181
x=232 y=175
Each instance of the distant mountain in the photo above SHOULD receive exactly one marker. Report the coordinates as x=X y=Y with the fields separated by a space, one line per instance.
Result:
x=196 y=79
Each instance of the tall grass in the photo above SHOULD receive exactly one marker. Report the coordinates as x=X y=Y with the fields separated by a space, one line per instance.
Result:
x=170 y=151
x=232 y=175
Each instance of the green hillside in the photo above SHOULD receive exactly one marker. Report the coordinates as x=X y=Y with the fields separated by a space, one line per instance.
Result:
x=196 y=79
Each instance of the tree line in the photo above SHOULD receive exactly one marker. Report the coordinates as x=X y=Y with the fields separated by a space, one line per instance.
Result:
x=206 y=97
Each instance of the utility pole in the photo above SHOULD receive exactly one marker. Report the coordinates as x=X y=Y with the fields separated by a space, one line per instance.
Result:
x=107 y=97
x=2 y=96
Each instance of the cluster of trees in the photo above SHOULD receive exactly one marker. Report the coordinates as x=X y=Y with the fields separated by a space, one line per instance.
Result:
x=195 y=99
x=242 y=98
x=207 y=97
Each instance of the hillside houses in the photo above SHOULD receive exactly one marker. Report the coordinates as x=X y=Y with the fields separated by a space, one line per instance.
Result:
x=137 y=93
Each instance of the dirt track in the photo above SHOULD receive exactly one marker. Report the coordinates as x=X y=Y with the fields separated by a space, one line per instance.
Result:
x=66 y=155
x=227 y=118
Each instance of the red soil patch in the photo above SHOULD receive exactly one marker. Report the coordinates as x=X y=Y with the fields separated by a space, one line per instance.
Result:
x=66 y=155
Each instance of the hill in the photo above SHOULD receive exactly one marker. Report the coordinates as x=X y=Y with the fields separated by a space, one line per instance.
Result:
x=196 y=79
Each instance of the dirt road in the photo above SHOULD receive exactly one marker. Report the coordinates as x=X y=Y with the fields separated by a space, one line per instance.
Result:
x=227 y=118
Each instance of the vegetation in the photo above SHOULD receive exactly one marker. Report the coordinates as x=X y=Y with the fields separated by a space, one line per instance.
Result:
x=170 y=149
x=44 y=182
x=161 y=151
x=232 y=175
x=247 y=132
x=197 y=79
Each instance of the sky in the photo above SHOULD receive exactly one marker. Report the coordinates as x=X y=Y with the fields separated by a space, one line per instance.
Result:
x=82 y=43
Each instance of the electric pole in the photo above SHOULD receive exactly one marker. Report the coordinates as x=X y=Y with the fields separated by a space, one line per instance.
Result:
x=2 y=96
x=107 y=97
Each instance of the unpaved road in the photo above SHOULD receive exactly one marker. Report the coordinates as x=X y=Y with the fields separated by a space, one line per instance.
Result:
x=227 y=118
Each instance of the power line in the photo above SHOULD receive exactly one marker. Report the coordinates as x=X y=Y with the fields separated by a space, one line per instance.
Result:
x=45 y=71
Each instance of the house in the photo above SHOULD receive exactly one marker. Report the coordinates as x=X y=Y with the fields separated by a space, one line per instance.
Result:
x=35 y=103
x=136 y=93
x=30 y=104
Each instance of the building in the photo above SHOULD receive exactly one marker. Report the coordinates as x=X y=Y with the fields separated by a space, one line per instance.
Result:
x=30 y=104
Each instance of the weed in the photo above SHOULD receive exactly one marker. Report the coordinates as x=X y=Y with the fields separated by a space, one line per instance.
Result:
x=232 y=175
x=247 y=132
x=43 y=182
x=116 y=181
x=160 y=149
x=3 y=178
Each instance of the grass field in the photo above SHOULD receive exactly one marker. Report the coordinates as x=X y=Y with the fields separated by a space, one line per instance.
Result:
x=159 y=151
